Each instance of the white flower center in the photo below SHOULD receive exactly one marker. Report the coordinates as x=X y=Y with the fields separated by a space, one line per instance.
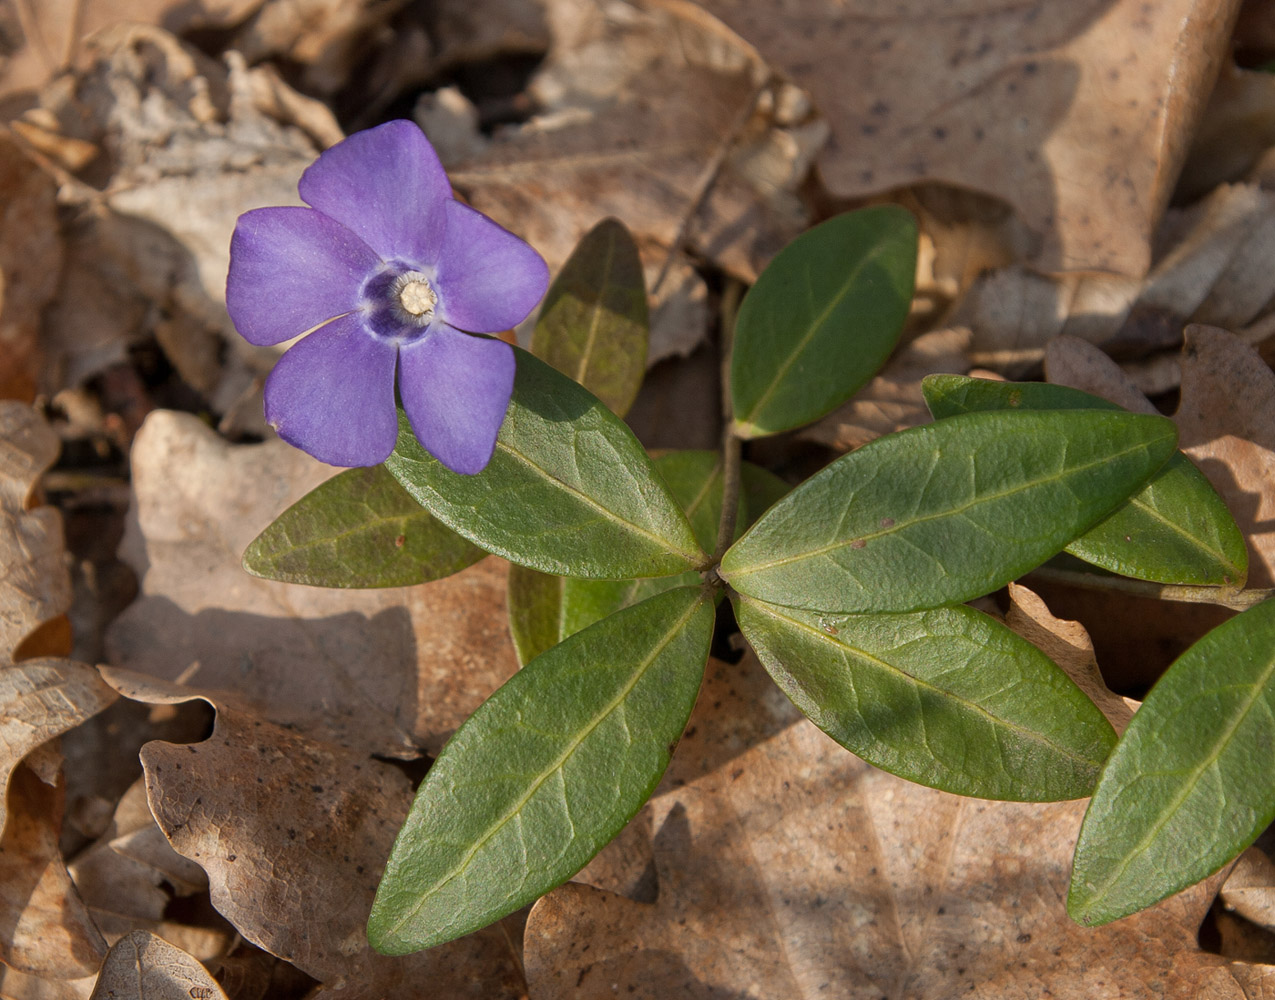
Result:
x=415 y=297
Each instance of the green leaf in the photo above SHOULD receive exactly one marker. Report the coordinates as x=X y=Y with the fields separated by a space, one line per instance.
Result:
x=1189 y=785
x=1175 y=530
x=569 y=490
x=358 y=529
x=949 y=698
x=545 y=773
x=822 y=318
x=945 y=512
x=593 y=325
x=544 y=609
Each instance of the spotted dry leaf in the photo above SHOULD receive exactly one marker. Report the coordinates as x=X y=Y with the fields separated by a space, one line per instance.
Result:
x=293 y=834
x=793 y=869
x=1078 y=114
x=369 y=669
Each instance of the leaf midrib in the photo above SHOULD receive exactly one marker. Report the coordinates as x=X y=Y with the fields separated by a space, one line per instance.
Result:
x=663 y=544
x=891 y=668
x=1188 y=786
x=947 y=512
x=816 y=325
x=511 y=813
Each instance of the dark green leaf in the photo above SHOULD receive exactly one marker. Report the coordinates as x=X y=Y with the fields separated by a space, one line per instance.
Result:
x=544 y=609
x=945 y=512
x=822 y=318
x=948 y=698
x=1176 y=529
x=593 y=325
x=569 y=490
x=359 y=529
x=1189 y=785
x=545 y=773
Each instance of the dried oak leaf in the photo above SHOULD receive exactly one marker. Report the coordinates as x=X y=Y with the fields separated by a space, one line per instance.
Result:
x=1078 y=114
x=40 y=697
x=796 y=870
x=142 y=966
x=385 y=671
x=293 y=833
x=1249 y=889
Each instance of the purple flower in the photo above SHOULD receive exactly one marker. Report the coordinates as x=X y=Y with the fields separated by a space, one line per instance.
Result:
x=387 y=269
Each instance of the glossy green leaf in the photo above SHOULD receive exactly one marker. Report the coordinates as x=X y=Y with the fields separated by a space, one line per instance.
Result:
x=358 y=529
x=946 y=512
x=1175 y=530
x=544 y=609
x=949 y=698
x=593 y=325
x=822 y=319
x=569 y=490
x=1190 y=784
x=545 y=773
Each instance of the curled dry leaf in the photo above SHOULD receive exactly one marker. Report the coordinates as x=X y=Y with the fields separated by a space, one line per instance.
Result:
x=39 y=698
x=795 y=870
x=293 y=833
x=371 y=669
x=1030 y=103
x=142 y=966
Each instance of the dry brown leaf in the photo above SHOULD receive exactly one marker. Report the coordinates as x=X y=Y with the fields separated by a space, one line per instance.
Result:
x=892 y=401
x=130 y=876
x=1077 y=363
x=678 y=141
x=40 y=698
x=45 y=930
x=1226 y=425
x=30 y=259
x=1237 y=128
x=1212 y=266
x=795 y=870
x=1249 y=889
x=1067 y=643
x=293 y=834
x=1078 y=114
x=142 y=966
x=383 y=670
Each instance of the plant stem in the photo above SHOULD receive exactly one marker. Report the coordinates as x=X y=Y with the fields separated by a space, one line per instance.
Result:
x=731 y=444
x=1227 y=597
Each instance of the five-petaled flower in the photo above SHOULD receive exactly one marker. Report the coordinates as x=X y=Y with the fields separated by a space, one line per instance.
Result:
x=386 y=269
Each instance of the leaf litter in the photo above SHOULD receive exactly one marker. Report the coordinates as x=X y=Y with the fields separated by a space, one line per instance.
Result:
x=699 y=126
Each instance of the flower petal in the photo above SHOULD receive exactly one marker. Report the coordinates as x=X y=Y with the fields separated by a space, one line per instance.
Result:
x=290 y=270
x=488 y=279
x=455 y=390
x=332 y=395
x=387 y=185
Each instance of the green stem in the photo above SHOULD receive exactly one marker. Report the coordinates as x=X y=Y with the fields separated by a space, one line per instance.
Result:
x=1227 y=597
x=731 y=444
